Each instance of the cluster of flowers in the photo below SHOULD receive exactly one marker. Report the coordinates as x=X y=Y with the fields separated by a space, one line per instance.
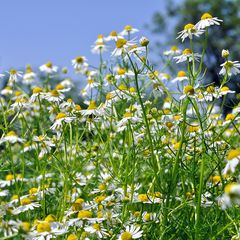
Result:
x=102 y=171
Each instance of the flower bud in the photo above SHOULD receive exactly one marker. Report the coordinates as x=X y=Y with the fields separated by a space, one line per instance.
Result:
x=144 y=41
x=225 y=53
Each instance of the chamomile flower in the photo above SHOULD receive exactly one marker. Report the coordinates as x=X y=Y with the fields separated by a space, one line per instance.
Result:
x=113 y=36
x=131 y=232
x=181 y=76
x=233 y=158
x=174 y=50
x=90 y=85
x=188 y=91
x=128 y=117
x=79 y=64
x=60 y=119
x=187 y=55
x=54 y=96
x=48 y=68
x=11 y=137
x=189 y=31
x=99 y=48
x=207 y=20
x=97 y=229
x=29 y=76
x=128 y=29
x=92 y=109
x=37 y=94
x=121 y=47
x=230 y=68
x=14 y=76
x=7 y=91
x=26 y=205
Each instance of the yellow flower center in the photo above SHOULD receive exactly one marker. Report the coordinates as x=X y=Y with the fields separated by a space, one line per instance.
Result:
x=109 y=96
x=216 y=179
x=37 y=90
x=210 y=89
x=28 y=69
x=224 y=89
x=84 y=214
x=230 y=117
x=96 y=226
x=132 y=90
x=25 y=226
x=13 y=72
x=189 y=26
x=192 y=129
x=54 y=93
x=59 y=87
x=127 y=115
x=92 y=105
x=143 y=198
x=174 y=48
x=18 y=93
x=188 y=90
x=99 y=199
x=33 y=191
x=147 y=217
x=120 y=42
x=11 y=134
x=90 y=81
x=233 y=153
x=181 y=74
x=9 y=177
x=70 y=100
x=49 y=65
x=79 y=59
x=60 y=115
x=102 y=187
x=126 y=236
x=113 y=34
x=50 y=218
x=78 y=107
x=100 y=36
x=25 y=201
x=206 y=16
x=229 y=186
x=121 y=71
x=43 y=227
x=122 y=87
x=72 y=237
x=187 y=51
x=128 y=28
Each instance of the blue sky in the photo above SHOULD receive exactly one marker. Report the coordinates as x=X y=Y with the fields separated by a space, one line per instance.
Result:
x=34 y=32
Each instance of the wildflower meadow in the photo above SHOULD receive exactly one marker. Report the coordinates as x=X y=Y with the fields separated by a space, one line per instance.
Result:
x=139 y=153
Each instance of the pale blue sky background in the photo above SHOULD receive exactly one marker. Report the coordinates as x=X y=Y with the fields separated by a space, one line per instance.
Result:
x=34 y=32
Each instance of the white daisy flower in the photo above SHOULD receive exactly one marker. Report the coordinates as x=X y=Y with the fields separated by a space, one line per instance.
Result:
x=127 y=118
x=14 y=76
x=29 y=77
x=54 y=96
x=60 y=119
x=187 y=55
x=97 y=229
x=189 y=31
x=11 y=137
x=207 y=20
x=131 y=232
x=128 y=29
x=99 y=48
x=7 y=91
x=230 y=68
x=122 y=46
x=26 y=204
x=174 y=50
x=48 y=68
x=181 y=76
x=113 y=36
x=79 y=64
x=233 y=158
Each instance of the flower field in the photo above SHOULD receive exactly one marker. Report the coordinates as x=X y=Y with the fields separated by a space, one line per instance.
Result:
x=147 y=153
